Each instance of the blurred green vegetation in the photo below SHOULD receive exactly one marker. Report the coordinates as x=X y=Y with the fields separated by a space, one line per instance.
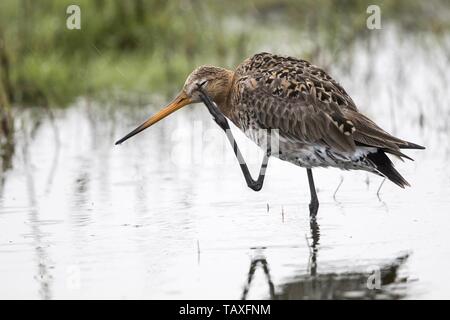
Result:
x=133 y=48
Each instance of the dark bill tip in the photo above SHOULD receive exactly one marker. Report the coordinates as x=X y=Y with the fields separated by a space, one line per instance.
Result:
x=181 y=100
x=132 y=133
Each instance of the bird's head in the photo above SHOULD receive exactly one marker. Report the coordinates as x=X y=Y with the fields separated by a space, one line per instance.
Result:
x=213 y=81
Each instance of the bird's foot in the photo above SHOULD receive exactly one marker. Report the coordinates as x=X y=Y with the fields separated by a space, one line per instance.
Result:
x=217 y=115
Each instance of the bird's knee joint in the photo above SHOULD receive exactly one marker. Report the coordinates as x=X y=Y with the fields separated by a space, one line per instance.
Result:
x=255 y=187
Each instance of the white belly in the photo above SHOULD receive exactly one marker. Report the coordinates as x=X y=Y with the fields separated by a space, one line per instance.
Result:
x=321 y=156
x=310 y=155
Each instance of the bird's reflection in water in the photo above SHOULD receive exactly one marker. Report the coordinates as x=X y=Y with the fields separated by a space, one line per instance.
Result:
x=259 y=261
x=381 y=282
x=43 y=274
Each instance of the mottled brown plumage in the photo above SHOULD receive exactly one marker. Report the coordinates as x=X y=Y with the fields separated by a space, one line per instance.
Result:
x=318 y=122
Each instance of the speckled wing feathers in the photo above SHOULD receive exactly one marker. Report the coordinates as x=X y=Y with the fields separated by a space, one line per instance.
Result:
x=297 y=98
x=305 y=104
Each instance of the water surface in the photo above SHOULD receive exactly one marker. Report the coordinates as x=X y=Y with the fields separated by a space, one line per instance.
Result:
x=168 y=215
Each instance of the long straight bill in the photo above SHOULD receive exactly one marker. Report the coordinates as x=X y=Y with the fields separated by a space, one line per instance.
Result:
x=180 y=101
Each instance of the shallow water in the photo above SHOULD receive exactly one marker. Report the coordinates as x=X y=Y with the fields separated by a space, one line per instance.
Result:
x=168 y=215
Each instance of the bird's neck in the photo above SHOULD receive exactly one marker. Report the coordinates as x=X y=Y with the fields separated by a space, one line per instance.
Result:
x=222 y=99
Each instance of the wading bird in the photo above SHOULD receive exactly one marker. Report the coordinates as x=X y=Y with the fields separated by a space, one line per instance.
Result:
x=316 y=122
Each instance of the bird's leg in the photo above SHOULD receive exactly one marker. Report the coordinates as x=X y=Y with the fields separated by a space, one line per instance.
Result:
x=218 y=116
x=220 y=119
x=314 y=204
x=252 y=184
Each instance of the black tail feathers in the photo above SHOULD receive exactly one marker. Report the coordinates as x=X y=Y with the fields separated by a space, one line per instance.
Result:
x=386 y=168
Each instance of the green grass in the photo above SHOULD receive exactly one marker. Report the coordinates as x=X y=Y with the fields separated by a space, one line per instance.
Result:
x=142 y=47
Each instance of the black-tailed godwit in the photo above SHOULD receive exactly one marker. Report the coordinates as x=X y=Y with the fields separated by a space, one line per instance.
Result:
x=313 y=119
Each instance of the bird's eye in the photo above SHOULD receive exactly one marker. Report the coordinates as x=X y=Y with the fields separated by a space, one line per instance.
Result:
x=201 y=84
